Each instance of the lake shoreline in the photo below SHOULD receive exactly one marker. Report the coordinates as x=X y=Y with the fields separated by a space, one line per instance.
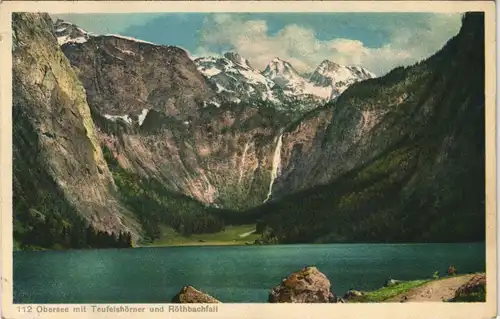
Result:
x=468 y=287
x=197 y=244
x=202 y=244
x=441 y=289
x=228 y=243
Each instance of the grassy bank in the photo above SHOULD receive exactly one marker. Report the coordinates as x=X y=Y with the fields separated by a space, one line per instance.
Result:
x=231 y=235
x=385 y=293
x=439 y=289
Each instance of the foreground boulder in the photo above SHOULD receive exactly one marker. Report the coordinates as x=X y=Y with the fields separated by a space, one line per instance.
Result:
x=473 y=290
x=308 y=285
x=189 y=294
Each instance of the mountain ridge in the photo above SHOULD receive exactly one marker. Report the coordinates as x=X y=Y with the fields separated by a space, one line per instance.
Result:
x=234 y=77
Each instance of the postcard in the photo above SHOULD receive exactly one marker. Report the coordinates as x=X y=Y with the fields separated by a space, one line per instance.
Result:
x=238 y=159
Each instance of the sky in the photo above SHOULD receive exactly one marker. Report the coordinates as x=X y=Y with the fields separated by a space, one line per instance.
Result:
x=376 y=41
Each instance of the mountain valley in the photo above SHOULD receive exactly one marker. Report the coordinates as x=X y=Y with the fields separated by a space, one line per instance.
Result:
x=119 y=137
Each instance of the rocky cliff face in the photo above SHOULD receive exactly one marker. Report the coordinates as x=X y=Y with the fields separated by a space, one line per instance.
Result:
x=59 y=167
x=174 y=145
x=171 y=125
x=415 y=135
x=207 y=129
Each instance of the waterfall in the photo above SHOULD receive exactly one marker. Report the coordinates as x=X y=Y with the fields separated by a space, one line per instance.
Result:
x=276 y=166
x=242 y=163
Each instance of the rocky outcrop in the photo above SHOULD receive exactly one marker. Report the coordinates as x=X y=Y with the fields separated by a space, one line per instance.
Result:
x=189 y=294
x=59 y=169
x=308 y=285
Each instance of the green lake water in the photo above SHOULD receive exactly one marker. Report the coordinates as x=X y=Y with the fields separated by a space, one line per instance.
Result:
x=229 y=273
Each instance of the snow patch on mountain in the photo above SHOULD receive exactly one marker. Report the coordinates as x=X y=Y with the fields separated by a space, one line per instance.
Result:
x=142 y=116
x=128 y=52
x=114 y=118
x=129 y=118
x=211 y=103
x=130 y=39
x=210 y=71
x=67 y=39
x=69 y=33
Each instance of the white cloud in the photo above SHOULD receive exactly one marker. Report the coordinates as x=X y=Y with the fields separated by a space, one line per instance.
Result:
x=301 y=47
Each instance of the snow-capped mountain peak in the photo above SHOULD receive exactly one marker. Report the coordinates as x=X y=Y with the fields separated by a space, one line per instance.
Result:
x=279 y=68
x=326 y=66
x=234 y=78
x=283 y=74
x=338 y=77
x=237 y=59
x=279 y=80
x=339 y=72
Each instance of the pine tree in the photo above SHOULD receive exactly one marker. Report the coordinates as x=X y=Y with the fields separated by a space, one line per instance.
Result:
x=128 y=240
